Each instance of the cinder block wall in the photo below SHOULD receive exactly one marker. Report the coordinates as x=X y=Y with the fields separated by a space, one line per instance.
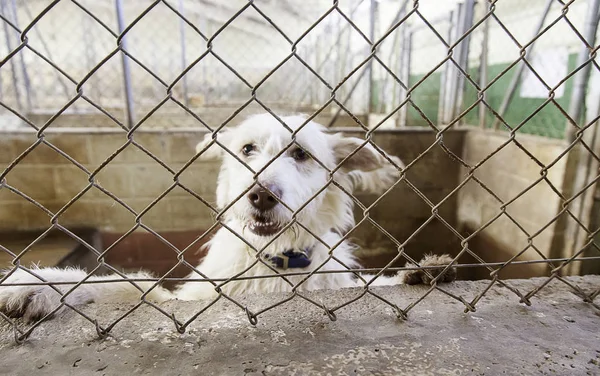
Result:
x=132 y=175
x=138 y=180
x=507 y=173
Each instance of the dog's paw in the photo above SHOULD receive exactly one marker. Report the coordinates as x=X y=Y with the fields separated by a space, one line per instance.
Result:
x=415 y=277
x=379 y=180
x=30 y=302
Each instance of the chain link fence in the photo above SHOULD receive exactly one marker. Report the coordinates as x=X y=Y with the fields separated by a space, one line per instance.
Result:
x=490 y=71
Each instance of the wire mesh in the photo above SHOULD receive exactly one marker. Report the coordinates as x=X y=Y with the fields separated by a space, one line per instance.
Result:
x=203 y=65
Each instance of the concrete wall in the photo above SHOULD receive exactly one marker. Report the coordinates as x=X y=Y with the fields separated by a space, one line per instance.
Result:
x=138 y=180
x=132 y=176
x=507 y=174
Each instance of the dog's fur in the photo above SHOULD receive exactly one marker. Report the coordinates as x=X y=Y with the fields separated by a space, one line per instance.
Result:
x=295 y=180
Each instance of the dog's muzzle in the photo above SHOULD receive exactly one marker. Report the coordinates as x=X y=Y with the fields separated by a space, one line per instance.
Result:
x=263 y=201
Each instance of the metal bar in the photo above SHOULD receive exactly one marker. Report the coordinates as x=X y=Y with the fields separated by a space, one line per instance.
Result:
x=512 y=87
x=125 y=63
x=47 y=52
x=205 y=87
x=384 y=85
x=328 y=54
x=467 y=22
x=582 y=77
x=13 y=67
x=26 y=80
x=89 y=57
x=452 y=72
x=445 y=72
x=586 y=168
x=360 y=76
x=372 y=24
x=406 y=69
x=315 y=92
x=184 y=82
x=431 y=21
x=483 y=70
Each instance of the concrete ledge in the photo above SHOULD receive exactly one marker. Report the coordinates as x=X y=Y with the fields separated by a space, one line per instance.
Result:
x=558 y=334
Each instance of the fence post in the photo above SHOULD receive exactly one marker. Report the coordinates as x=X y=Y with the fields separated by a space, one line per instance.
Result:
x=582 y=77
x=13 y=67
x=126 y=71
x=406 y=68
x=358 y=78
x=373 y=17
x=445 y=73
x=483 y=70
x=451 y=76
x=586 y=166
x=512 y=87
x=26 y=80
x=184 y=82
x=401 y=92
x=466 y=23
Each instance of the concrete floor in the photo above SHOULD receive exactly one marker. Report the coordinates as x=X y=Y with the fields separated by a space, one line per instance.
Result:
x=558 y=335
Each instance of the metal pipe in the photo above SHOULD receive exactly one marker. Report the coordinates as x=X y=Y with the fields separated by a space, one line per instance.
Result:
x=339 y=110
x=47 y=52
x=445 y=73
x=13 y=67
x=452 y=73
x=26 y=80
x=384 y=85
x=328 y=54
x=586 y=168
x=126 y=71
x=483 y=70
x=372 y=16
x=512 y=87
x=89 y=57
x=400 y=121
x=205 y=87
x=184 y=82
x=407 y=46
x=463 y=62
x=432 y=21
x=582 y=77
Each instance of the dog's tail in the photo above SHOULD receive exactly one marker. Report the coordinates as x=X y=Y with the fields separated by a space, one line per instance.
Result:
x=37 y=292
x=379 y=180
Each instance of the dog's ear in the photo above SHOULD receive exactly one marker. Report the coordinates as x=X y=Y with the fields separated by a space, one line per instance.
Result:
x=365 y=159
x=212 y=152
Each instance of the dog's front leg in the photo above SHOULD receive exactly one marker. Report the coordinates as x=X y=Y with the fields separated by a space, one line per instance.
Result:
x=196 y=291
x=25 y=298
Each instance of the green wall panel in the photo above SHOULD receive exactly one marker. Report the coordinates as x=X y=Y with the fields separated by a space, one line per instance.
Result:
x=549 y=121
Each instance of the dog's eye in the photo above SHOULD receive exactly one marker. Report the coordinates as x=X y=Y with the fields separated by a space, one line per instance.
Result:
x=248 y=148
x=299 y=155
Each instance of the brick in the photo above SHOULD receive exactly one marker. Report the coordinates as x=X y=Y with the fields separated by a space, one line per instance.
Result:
x=113 y=217
x=116 y=179
x=7 y=151
x=69 y=181
x=201 y=177
x=102 y=146
x=76 y=146
x=183 y=146
x=188 y=213
x=149 y=180
x=11 y=216
x=35 y=181
x=157 y=217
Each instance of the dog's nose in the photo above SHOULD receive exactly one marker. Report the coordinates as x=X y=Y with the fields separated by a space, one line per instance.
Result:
x=261 y=199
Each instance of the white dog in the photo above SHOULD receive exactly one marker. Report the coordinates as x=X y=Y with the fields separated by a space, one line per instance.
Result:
x=288 y=218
